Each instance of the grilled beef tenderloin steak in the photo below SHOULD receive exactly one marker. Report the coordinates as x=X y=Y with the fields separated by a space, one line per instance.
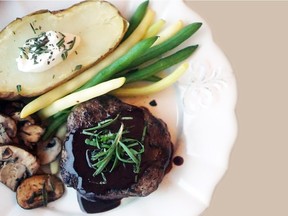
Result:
x=122 y=181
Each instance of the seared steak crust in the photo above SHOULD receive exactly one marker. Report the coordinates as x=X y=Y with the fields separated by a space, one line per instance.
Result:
x=155 y=160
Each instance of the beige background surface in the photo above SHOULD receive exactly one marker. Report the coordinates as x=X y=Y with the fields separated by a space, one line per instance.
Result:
x=254 y=36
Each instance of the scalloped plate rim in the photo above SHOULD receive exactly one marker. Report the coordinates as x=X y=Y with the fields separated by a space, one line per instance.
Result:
x=199 y=193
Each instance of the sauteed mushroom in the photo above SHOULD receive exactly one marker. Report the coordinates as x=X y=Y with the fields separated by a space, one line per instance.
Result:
x=48 y=151
x=8 y=129
x=16 y=164
x=31 y=133
x=38 y=190
x=17 y=118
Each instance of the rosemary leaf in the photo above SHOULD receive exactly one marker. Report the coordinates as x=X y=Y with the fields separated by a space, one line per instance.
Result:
x=129 y=153
x=112 y=148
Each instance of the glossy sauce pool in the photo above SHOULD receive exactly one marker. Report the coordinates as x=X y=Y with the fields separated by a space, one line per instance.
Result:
x=122 y=177
x=96 y=206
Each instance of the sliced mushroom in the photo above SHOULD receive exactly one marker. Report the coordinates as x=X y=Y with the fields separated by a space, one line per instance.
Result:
x=16 y=164
x=31 y=133
x=17 y=118
x=4 y=138
x=12 y=174
x=48 y=151
x=8 y=129
x=39 y=190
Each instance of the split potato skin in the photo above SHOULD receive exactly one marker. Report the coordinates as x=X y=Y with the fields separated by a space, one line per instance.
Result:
x=99 y=24
x=39 y=190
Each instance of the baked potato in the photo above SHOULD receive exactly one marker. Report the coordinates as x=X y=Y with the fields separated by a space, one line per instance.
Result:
x=99 y=25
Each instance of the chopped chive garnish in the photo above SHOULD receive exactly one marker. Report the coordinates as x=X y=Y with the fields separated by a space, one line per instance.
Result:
x=23 y=51
x=64 y=55
x=60 y=42
x=31 y=25
x=77 y=67
x=19 y=88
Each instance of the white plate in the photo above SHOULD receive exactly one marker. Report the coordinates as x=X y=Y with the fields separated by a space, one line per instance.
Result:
x=199 y=111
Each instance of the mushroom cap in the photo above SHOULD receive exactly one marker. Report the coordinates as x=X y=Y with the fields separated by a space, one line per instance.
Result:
x=49 y=150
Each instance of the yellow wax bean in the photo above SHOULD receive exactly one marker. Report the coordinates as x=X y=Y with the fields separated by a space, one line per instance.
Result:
x=155 y=87
x=155 y=28
x=81 y=96
x=169 y=32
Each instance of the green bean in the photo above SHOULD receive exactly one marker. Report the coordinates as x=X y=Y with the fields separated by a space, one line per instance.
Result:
x=136 y=18
x=161 y=64
x=158 y=86
x=55 y=122
x=153 y=78
x=167 y=45
x=121 y=63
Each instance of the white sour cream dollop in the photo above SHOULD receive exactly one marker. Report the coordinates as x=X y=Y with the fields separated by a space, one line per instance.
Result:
x=45 y=51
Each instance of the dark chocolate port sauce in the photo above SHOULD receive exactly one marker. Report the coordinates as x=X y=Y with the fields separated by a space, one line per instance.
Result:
x=178 y=160
x=121 y=177
x=97 y=205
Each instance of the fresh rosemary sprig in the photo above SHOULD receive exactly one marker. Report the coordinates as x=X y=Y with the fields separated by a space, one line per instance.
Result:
x=112 y=148
x=44 y=195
